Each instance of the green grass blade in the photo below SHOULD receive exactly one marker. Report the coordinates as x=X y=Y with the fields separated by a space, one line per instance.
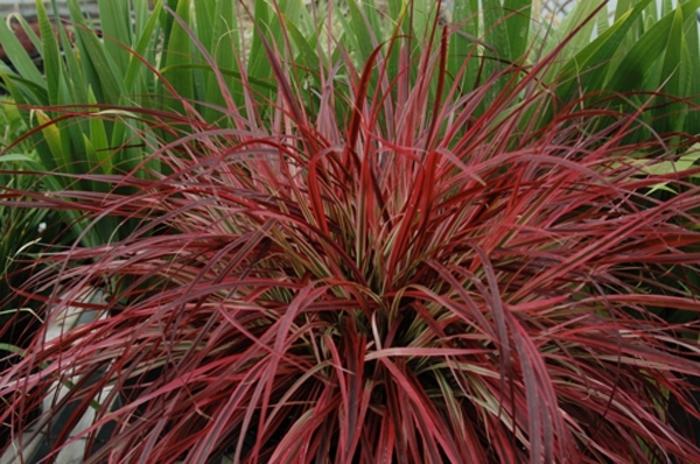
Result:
x=103 y=74
x=29 y=31
x=100 y=142
x=589 y=66
x=666 y=7
x=517 y=26
x=257 y=65
x=573 y=20
x=146 y=38
x=636 y=67
x=50 y=53
x=179 y=51
x=205 y=21
x=142 y=15
x=675 y=71
x=622 y=7
x=602 y=21
x=115 y=18
x=651 y=15
x=466 y=16
x=75 y=77
x=496 y=31
x=360 y=31
x=693 y=41
x=18 y=56
x=55 y=158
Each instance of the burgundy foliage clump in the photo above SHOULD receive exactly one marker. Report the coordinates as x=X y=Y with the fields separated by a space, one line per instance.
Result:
x=388 y=271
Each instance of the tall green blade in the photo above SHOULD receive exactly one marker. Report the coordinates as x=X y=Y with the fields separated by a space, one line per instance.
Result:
x=693 y=41
x=675 y=72
x=145 y=38
x=360 y=31
x=589 y=66
x=257 y=65
x=18 y=56
x=581 y=12
x=224 y=47
x=50 y=53
x=103 y=74
x=496 y=32
x=115 y=21
x=100 y=142
x=179 y=52
x=517 y=26
x=666 y=7
x=464 y=42
x=498 y=55
x=635 y=69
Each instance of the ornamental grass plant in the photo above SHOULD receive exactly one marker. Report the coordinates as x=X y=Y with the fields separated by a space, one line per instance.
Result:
x=383 y=265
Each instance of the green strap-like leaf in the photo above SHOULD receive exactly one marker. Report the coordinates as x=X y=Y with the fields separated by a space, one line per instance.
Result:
x=102 y=72
x=675 y=72
x=179 y=51
x=114 y=21
x=50 y=53
x=18 y=56
x=636 y=66
x=589 y=66
x=517 y=26
x=465 y=15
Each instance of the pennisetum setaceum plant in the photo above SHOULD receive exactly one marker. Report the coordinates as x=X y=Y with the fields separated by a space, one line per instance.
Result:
x=374 y=259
